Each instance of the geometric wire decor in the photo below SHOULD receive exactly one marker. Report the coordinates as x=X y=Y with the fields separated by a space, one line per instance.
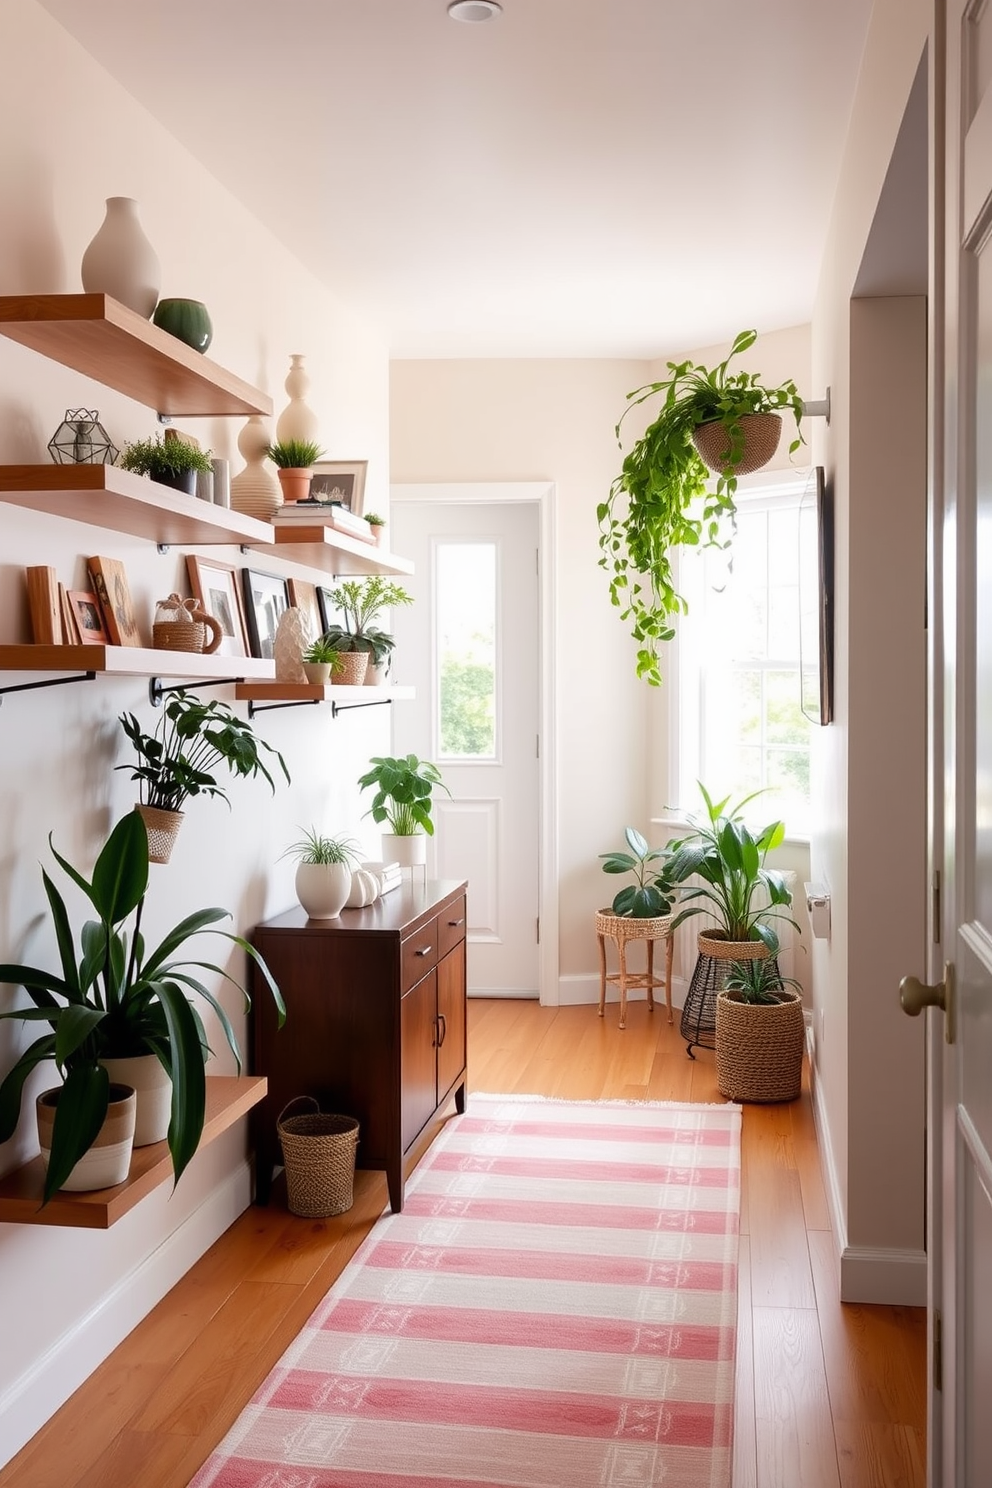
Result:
x=82 y=440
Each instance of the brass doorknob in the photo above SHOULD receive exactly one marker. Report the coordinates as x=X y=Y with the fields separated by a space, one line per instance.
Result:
x=915 y=995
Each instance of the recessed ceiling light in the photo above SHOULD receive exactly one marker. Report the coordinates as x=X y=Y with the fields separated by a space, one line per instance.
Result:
x=474 y=10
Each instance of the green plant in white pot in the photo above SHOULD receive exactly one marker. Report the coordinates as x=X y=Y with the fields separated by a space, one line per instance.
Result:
x=323 y=873
x=404 y=788
x=113 y=998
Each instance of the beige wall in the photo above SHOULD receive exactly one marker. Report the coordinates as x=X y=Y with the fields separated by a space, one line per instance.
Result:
x=72 y=137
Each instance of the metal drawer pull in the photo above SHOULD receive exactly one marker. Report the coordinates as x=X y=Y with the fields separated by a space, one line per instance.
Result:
x=454 y=923
x=425 y=951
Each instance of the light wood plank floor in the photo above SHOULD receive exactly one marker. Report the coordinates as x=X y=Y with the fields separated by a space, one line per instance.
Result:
x=828 y=1396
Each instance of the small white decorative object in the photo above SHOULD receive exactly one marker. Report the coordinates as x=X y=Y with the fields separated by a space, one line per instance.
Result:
x=364 y=889
x=120 y=261
x=255 y=490
x=409 y=852
x=297 y=420
x=293 y=637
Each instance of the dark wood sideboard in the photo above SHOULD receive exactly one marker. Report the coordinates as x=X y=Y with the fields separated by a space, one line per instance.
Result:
x=375 y=1023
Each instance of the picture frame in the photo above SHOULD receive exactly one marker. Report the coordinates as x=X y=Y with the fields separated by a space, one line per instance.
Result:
x=303 y=595
x=109 y=580
x=340 y=481
x=816 y=599
x=266 y=597
x=216 y=586
x=329 y=613
x=87 y=617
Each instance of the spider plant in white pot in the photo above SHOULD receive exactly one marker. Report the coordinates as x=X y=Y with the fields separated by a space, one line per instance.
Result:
x=323 y=873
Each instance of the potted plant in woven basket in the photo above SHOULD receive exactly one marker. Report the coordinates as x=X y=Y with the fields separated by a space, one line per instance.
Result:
x=711 y=420
x=640 y=911
x=191 y=738
x=760 y=1033
x=737 y=891
x=361 y=602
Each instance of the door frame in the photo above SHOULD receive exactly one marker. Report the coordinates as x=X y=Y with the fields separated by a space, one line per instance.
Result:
x=543 y=494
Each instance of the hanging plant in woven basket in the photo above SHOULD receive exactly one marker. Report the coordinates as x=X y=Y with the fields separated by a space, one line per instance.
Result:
x=711 y=420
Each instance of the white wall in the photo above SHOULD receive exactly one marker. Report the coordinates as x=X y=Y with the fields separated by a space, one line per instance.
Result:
x=72 y=137
x=868 y=846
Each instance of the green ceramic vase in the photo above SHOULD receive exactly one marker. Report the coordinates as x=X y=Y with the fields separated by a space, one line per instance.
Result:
x=187 y=320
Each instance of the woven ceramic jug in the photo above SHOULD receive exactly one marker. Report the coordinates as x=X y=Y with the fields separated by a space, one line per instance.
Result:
x=182 y=625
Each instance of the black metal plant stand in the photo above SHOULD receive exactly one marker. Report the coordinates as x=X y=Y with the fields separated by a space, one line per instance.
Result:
x=698 y=1022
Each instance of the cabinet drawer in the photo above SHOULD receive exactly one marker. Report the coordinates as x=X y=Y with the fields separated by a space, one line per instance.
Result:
x=418 y=953
x=450 y=927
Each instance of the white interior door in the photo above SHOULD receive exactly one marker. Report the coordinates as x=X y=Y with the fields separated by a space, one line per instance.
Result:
x=962 y=1279
x=470 y=645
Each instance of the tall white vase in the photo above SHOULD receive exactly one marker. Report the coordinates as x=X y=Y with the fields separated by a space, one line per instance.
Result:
x=120 y=261
x=255 y=490
x=297 y=420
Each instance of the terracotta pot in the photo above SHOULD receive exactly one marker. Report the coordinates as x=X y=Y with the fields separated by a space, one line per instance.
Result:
x=107 y=1161
x=295 y=484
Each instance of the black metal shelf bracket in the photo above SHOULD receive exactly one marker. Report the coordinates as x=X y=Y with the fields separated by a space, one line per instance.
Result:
x=337 y=708
x=254 y=707
x=48 y=682
x=157 y=689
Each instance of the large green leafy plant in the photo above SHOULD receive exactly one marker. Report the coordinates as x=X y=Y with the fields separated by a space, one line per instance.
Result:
x=361 y=602
x=404 y=787
x=113 y=998
x=652 y=893
x=737 y=890
x=662 y=499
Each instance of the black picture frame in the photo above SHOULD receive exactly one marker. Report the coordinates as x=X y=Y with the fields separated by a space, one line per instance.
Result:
x=816 y=598
x=329 y=614
x=266 y=597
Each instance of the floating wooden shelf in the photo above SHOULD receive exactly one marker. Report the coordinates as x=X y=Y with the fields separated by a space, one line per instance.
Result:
x=334 y=552
x=97 y=336
x=119 y=501
x=229 y=1097
x=129 y=661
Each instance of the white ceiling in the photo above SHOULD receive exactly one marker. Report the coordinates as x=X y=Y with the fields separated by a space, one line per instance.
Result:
x=577 y=178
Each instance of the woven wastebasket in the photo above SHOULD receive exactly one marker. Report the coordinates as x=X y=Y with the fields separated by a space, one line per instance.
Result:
x=318 y=1152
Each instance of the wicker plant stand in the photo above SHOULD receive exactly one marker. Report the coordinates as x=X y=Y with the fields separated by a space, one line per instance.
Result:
x=621 y=929
x=759 y=1047
x=709 y=977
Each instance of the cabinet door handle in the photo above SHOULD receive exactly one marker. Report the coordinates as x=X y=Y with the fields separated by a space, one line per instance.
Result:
x=424 y=951
x=454 y=923
x=442 y=1029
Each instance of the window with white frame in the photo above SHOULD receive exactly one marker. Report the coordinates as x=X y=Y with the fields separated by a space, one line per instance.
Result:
x=740 y=724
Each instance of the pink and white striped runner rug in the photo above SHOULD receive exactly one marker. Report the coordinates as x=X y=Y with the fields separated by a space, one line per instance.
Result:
x=555 y=1305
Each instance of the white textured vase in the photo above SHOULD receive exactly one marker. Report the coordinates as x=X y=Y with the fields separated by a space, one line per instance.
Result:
x=297 y=420
x=293 y=637
x=120 y=261
x=255 y=490
x=152 y=1086
x=323 y=888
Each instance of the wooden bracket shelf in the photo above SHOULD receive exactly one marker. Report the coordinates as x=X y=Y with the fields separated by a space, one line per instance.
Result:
x=101 y=338
x=333 y=552
x=264 y=696
x=130 y=661
x=229 y=1097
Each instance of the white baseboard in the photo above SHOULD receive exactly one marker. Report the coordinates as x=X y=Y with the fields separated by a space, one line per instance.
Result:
x=50 y=1379
x=867 y=1273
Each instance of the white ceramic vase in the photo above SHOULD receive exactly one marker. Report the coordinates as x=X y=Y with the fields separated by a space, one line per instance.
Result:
x=152 y=1086
x=323 y=888
x=293 y=637
x=255 y=490
x=297 y=420
x=120 y=261
x=106 y=1162
x=409 y=852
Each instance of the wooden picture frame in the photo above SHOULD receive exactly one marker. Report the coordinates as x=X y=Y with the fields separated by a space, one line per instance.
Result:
x=303 y=595
x=266 y=596
x=341 y=481
x=218 y=589
x=87 y=616
x=110 y=585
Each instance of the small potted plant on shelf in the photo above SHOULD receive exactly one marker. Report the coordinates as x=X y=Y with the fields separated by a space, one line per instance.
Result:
x=324 y=872
x=710 y=420
x=322 y=661
x=404 y=788
x=377 y=524
x=113 y=1000
x=361 y=602
x=293 y=459
x=171 y=462
x=191 y=738
x=760 y=1033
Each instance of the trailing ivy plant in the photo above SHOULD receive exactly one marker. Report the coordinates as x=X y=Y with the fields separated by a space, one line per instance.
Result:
x=662 y=499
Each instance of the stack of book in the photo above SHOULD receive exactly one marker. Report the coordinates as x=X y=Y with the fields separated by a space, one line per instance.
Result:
x=325 y=514
x=388 y=874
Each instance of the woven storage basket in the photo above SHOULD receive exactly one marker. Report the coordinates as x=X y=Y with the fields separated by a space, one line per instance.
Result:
x=352 y=672
x=714 y=943
x=759 y=1047
x=762 y=432
x=318 y=1154
x=163 y=830
x=178 y=635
